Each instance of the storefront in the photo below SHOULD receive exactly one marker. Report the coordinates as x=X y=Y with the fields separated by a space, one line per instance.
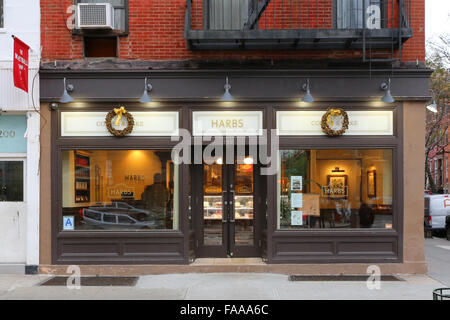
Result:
x=255 y=177
x=19 y=139
x=19 y=194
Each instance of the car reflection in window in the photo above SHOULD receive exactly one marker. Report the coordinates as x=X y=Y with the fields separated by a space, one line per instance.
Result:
x=121 y=215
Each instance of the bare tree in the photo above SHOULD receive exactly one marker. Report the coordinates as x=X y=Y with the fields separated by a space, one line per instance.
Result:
x=436 y=139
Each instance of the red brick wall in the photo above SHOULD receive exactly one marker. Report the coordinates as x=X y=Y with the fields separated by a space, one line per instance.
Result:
x=415 y=47
x=156 y=32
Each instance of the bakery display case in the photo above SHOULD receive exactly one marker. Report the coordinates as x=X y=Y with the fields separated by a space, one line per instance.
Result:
x=213 y=207
x=243 y=207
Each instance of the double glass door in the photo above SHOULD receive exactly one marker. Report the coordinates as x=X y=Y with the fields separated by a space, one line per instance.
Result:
x=228 y=215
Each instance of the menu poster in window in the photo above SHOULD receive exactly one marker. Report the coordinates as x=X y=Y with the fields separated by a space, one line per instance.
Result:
x=296 y=200
x=296 y=183
x=296 y=218
x=311 y=204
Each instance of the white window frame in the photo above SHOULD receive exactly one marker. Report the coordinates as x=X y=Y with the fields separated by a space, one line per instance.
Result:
x=17 y=157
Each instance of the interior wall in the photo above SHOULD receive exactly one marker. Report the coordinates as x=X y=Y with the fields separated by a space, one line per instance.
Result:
x=352 y=169
x=356 y=166
x=116 y=169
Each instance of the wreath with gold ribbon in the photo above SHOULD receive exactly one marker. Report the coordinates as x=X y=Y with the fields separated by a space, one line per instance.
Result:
x=119 y=112
x=327 y=122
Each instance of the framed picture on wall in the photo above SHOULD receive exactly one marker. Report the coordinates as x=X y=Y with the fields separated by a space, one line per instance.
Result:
x=337 y=187
x=371 y=184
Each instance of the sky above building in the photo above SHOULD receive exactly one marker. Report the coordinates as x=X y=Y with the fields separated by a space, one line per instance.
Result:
x=437 y=18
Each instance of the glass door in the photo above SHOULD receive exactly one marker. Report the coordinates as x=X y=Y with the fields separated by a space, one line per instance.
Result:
x=215 y=211
x=242 y=221
x=226 y=215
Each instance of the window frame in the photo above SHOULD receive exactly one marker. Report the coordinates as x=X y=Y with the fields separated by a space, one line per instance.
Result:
x=125 y=32
x=59 y=208
x=395 y=224
x=22 y=157
x=393 y=142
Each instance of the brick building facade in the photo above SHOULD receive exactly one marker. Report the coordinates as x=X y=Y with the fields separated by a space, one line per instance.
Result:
x=334 y=205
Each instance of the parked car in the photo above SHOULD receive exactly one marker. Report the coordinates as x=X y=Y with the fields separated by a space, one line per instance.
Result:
x=447 y=227
x=120 y=215
x=123 y=206
x=437 y=208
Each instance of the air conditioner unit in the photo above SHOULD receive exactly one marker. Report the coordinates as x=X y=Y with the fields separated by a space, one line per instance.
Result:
x=95 y=16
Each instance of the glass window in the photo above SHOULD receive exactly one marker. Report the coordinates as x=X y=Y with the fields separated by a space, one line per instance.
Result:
x=120 y=189
x=125 y=220
x=349 y=14
x=228 y=15
x=11 y=181
x=1 y=14
x=109 y=218
x=335 y=189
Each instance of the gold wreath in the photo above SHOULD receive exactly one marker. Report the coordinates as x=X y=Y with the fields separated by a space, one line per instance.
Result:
x=327 y=122
x=119 y=112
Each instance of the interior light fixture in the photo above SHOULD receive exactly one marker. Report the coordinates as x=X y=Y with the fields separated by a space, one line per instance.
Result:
x=66 y=97
x=145 y=96
x=432 y=107
x=387 y=98
x=248 y=160
x=308 y=96
x=219 y=160
x=336 y=169
x=227 y=95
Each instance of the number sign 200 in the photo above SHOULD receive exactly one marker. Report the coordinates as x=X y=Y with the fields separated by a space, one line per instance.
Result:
x=7 y=133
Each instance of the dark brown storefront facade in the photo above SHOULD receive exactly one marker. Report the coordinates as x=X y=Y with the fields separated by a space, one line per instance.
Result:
x=217 y=210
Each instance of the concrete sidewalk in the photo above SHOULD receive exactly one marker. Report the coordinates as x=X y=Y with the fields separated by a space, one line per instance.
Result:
x=221 y=286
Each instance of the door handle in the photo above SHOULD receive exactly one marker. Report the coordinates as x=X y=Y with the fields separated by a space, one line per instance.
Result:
x=232 y=213
x=224 y=207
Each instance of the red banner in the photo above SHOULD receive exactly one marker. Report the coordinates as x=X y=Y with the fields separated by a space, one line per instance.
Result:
x=20 y=64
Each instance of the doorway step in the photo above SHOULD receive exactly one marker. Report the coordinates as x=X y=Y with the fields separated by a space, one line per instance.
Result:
x=227 y=261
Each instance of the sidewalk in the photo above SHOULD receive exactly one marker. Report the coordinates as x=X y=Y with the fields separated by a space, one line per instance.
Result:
x=221 y=286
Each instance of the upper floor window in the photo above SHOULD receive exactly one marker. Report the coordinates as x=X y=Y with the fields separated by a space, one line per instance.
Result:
x=351 y=13
x=348 y=14
x=120 y=14
x=1 y=15
x=227 y=15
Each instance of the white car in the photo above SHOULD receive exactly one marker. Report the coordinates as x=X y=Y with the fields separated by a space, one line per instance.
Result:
x=437 y=208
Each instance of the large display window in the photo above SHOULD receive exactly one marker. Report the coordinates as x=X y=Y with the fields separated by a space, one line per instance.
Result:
x=119 y=190
x=335 y=188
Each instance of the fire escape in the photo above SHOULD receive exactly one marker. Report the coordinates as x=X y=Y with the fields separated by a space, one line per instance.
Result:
x=378 y=28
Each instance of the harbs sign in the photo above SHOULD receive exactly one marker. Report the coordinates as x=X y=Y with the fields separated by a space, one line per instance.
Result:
x=20 y=64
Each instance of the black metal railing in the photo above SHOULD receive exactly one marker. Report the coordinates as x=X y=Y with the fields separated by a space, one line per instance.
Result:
x=297 y=14
x=298 y=24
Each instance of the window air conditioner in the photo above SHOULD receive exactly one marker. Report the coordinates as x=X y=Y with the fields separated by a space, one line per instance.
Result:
x=95 y=16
